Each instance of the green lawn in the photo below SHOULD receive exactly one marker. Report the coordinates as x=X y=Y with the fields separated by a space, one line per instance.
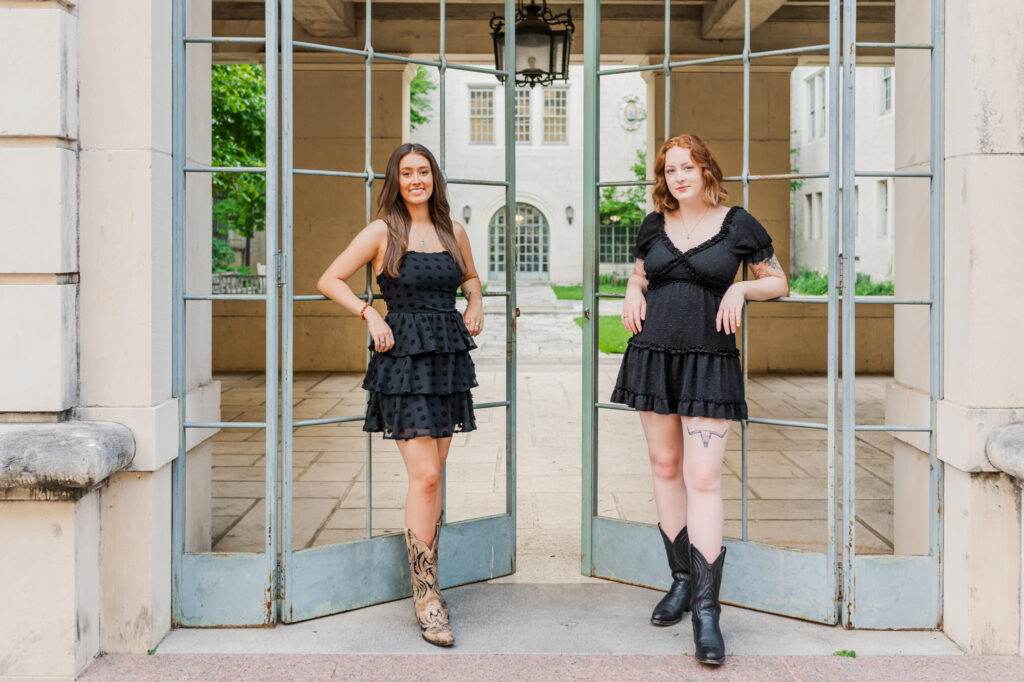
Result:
x=612 y=336
x=811 y=283
x=574 y=292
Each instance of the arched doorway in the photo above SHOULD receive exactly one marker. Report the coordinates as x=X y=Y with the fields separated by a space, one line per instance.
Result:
x=532 y=239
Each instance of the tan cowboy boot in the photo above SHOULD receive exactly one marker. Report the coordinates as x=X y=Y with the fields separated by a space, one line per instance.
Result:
x=431 y=610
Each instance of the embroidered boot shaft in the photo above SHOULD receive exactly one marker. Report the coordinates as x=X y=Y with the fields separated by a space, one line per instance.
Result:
x=431 y=609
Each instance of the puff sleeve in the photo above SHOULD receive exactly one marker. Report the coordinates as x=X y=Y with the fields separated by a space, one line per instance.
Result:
x=647 y=234
x=752 y=242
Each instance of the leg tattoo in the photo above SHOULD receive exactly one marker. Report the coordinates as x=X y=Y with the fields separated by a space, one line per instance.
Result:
x=705 y=435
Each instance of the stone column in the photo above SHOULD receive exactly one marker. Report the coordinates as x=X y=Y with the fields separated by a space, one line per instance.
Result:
x=126 y=296
x=51 y=625
x=984 y=161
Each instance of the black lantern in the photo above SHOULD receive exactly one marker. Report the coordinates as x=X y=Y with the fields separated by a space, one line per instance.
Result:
x=543 y=40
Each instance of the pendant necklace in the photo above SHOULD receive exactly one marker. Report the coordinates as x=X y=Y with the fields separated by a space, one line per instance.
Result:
x=690 y=232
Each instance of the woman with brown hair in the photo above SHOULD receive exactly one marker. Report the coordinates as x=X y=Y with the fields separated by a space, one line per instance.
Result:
x=420 y=374
x=681 y=369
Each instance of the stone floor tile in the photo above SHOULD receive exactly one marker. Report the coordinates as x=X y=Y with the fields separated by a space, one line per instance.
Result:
x=385 y=493
x=308 y=516
x=341 y=472
x=232 y=506
x=356 y=518
x=764 y=463
x=235 y=460
x=248 y=489
x=238 y=448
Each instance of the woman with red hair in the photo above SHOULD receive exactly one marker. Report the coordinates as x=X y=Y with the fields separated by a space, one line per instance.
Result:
x=681 y=369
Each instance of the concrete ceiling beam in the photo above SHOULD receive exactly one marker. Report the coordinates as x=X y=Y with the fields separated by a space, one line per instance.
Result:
x=724 y=19
x=326 y=18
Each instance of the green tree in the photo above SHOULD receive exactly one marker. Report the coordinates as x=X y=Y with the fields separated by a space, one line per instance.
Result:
x=419 y=98
x=238 y=113
x=626 y=205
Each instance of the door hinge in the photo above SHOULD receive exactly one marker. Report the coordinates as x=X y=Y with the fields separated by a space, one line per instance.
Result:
x=280 y=268
x=841 y=268
x=278 y=585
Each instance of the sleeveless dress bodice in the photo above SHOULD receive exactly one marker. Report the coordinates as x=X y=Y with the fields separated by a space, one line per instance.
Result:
x=421 y=386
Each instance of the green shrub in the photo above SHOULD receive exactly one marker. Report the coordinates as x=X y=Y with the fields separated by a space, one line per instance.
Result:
x=813 y=283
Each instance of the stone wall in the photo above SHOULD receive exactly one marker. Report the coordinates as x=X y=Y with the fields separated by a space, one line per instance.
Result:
x=85 y=219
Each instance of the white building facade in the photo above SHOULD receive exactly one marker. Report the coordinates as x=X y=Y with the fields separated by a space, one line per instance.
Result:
x=874 y=197
x=549 y=165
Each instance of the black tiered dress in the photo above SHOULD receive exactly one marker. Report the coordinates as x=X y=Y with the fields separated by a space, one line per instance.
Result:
x=678 y=363
x=421 y=387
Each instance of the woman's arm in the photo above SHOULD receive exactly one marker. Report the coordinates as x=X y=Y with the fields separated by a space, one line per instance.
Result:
x=634 y=306
x=367 y=247
x=471 y=287
x=770 y=283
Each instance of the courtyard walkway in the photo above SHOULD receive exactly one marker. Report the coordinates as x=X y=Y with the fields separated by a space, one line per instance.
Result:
x=546 y=622
x=786 y=466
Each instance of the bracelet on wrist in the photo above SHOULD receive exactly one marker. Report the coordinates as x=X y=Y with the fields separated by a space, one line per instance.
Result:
x=362 y=313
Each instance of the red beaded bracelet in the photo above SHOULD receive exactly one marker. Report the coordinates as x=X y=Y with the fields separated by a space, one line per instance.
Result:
x=362 y=313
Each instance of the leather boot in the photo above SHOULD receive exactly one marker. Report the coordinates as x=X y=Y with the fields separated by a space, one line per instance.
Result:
x=431 y=610
x=706 y=583
x=669 y=610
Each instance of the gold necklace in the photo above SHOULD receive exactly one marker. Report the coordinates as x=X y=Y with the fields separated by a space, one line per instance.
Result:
x=423 y=240
x=696 y=225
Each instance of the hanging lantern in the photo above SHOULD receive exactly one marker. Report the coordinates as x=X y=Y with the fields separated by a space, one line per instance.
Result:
x=543 y=42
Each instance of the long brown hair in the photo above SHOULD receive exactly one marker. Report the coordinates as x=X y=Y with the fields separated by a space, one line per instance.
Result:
x=700 y=154
x=391 y=205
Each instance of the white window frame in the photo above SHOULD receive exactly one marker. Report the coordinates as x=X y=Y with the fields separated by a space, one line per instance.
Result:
x=816 y=114
x=887 y=93
x=883 y=208
x=809 y=209
x=565 y=115
x=856 y=210
x=819 y=213
x=473 y=89
x=524 y=116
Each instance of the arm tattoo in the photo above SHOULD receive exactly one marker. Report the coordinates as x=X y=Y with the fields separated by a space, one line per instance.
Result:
x=767 y=268
x=705 y=434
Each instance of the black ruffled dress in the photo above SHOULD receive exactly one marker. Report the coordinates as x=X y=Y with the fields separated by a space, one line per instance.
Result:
x=678 y=363
x=421 y=387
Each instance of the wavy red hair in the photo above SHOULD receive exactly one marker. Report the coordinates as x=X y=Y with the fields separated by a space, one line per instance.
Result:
x=701 y=154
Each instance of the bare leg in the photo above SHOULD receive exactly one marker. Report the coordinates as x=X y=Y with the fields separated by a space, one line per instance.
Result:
x=664 y=436
x=443 y=446
x=705 y=441
x=423 y=464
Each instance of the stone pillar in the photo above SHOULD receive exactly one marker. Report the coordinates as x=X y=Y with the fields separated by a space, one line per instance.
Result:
x=126 y=295
x=984 y=160
x=85 y=220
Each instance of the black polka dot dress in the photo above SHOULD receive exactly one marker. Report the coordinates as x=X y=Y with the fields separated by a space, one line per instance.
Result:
x=421 y=387
x=679 y=363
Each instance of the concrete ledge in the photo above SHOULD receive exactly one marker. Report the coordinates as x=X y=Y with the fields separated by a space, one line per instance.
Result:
x=62 y=455
x=1005 y=449
x=963 y=432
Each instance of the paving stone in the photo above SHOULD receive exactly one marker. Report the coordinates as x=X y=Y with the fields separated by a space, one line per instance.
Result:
x=341 y=472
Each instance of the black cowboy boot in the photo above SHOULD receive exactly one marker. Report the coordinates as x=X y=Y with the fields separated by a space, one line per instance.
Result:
x=669 y=610
x=706 y=583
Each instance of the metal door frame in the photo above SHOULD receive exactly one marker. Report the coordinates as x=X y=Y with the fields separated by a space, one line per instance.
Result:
x=236 y=589
x=839 y=585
